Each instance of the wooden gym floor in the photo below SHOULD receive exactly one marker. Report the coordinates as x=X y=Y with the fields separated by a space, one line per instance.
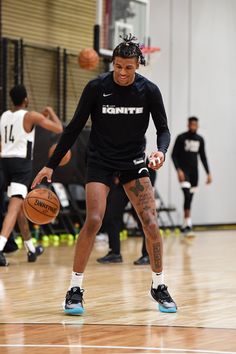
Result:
x=120 y=318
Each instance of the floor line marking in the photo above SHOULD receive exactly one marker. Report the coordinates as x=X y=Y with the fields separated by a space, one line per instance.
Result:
x=64 y=322
x=113 y=347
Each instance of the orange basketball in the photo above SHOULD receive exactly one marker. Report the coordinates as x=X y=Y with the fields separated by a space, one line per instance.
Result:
x=88 y=58
x=41 y=206
x=64 y=160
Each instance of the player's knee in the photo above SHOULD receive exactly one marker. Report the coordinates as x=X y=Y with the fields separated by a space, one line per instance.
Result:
x=150 y=225
x=15 y=206
x=93 y=223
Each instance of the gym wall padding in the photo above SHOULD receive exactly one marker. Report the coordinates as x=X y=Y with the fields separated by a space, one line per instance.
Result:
x=44 y=26
x=65 y=23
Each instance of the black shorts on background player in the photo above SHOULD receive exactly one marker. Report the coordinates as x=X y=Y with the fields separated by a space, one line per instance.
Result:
x=17 y=170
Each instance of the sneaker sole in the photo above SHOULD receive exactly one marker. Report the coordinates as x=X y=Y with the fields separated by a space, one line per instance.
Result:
x=189 y=235
x=74 y=312
x=167 y=310
x=162 y=308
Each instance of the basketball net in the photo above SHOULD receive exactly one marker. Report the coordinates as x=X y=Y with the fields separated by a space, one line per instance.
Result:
x=151 y=55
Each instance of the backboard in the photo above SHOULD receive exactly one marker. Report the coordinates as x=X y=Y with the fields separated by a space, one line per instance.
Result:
x=120 y=17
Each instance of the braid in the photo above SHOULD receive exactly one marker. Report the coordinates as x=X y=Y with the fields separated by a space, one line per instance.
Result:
x=129 y=49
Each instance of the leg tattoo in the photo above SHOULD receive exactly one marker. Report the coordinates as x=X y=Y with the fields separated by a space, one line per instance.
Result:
x=137 y=188
x=157 y=254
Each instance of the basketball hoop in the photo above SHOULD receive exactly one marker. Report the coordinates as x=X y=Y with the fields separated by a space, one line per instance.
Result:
x=151 y=55
x=150 y=50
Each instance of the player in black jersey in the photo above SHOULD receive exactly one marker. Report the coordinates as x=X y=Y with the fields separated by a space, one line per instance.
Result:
x=119 y=103
x=185 y=153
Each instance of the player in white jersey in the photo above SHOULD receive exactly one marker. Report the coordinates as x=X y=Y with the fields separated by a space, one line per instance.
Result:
x=17 y=129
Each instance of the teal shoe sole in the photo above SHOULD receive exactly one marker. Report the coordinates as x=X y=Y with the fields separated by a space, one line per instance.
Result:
x=74 y=312
x=167 y=310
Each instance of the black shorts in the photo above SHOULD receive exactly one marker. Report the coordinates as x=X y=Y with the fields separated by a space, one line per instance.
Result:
x=191 y=179
x=98 y=173
x=18 y=175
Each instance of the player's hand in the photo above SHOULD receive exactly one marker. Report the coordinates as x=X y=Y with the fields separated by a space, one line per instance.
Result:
x=45 y=172
x=209 y=179
x=181 y=175
x=47 y=112
x=156 y=160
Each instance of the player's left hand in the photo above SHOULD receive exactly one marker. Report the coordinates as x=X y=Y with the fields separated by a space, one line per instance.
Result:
x=156 y=160
x=209 y=179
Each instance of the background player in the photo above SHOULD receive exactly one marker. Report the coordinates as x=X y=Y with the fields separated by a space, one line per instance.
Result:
x=17 y=129
x=120 y=103
x=185 y=153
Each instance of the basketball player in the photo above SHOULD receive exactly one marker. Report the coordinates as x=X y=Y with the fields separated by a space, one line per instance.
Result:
x=185 y=153
x=119 y=103
x=17 y=128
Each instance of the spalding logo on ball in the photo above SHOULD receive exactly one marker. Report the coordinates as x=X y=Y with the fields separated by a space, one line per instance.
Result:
x=88 y=59
x=41 y=206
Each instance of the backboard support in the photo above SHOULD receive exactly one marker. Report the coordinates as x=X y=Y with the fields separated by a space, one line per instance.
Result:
x=117 y=18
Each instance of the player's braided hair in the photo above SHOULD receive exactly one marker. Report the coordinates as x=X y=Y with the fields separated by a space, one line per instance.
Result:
x=129 y=49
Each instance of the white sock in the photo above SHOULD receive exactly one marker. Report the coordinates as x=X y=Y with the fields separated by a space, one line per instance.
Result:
x=157 y=279
x=29 y=245
x=76 y=280
x=3 y=241
x=188 y=222
x=184 y=223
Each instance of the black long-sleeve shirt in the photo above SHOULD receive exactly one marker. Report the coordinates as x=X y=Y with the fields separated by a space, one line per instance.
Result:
x=120 y=118
x=186 y=149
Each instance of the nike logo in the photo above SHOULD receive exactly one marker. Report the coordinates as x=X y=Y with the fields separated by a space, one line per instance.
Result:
x=107 y=94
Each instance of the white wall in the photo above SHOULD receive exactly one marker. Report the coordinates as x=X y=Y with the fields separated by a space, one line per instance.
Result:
x=196 y=72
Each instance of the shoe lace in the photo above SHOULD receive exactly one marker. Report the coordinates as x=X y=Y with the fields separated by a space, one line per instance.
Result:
x=78 y=292
x=164 y=294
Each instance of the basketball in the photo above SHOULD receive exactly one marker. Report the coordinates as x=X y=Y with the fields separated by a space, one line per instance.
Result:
x=88 y=58
x=41 y=206
x=64 y=160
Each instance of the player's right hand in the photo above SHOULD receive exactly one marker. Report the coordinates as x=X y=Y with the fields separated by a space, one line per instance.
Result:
x=45 y=172
x=47 y=112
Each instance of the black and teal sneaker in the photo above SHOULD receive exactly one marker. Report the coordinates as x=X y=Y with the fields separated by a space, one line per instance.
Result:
x=73 y=303
x=162 y=296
